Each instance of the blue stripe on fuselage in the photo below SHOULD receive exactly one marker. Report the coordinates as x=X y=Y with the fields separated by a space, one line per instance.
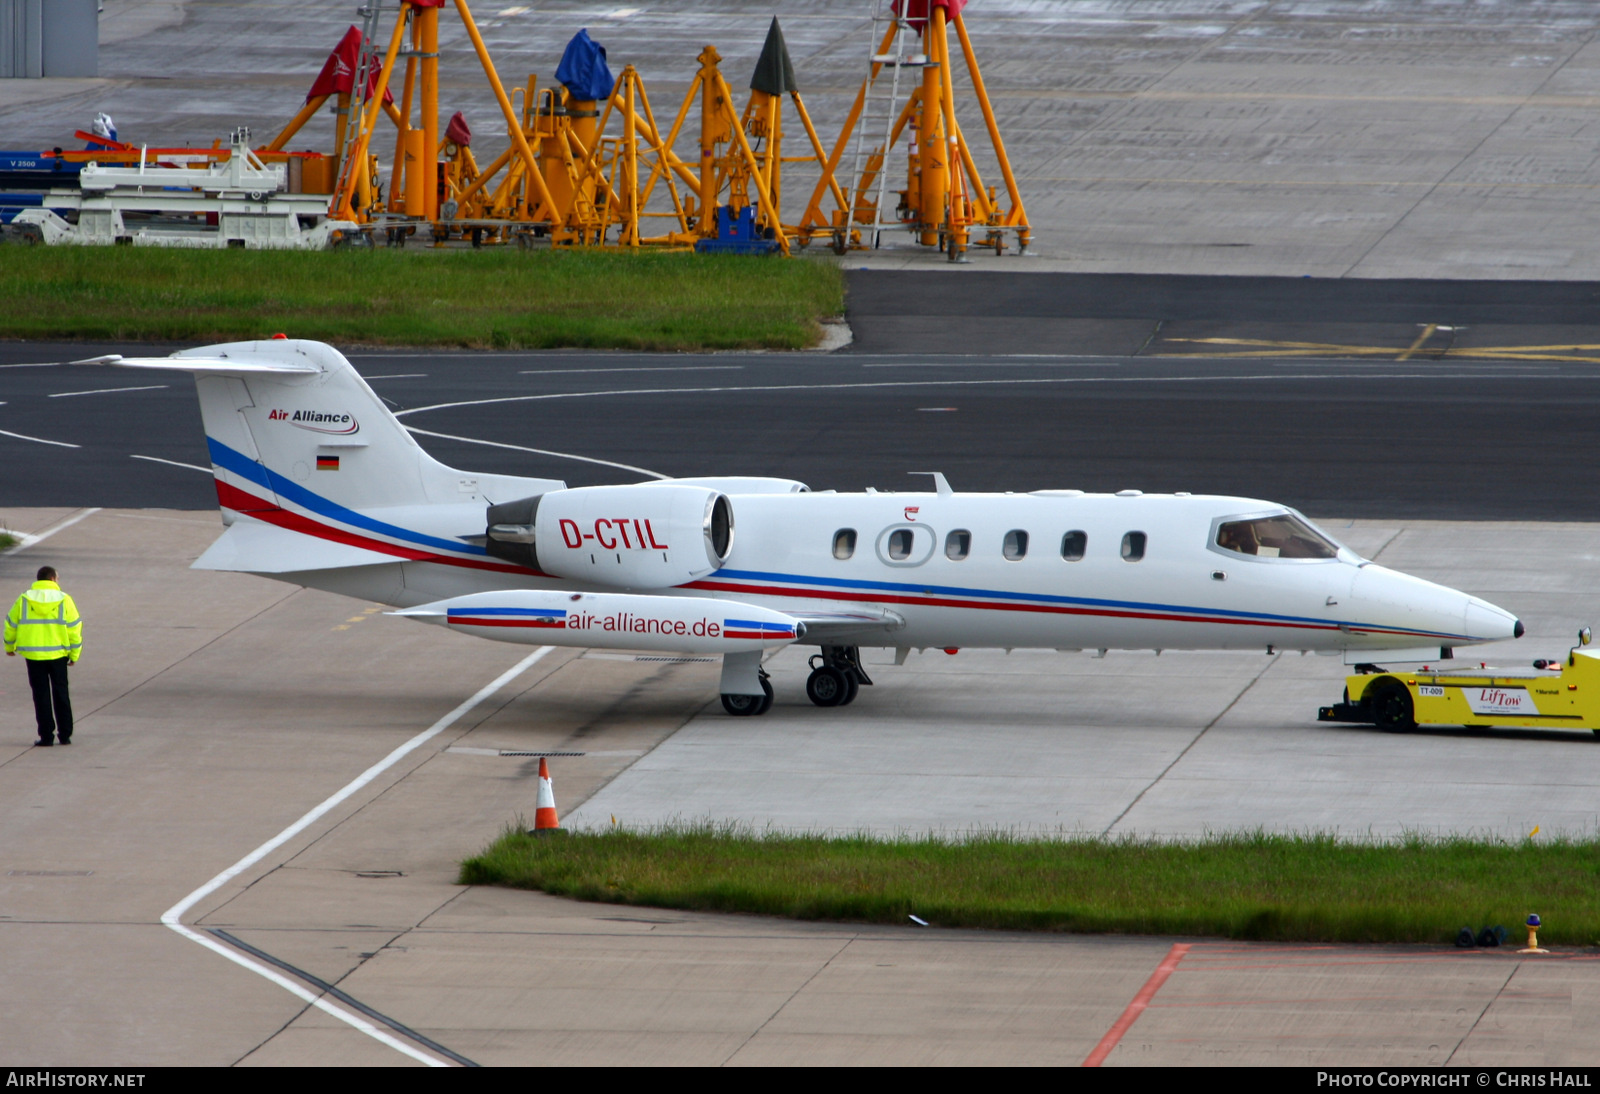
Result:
x=242 y=465
x=1046 y=598
x=237 y=462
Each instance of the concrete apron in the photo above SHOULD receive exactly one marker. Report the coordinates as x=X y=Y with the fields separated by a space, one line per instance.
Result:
x=1382 y=139
x=214 y=710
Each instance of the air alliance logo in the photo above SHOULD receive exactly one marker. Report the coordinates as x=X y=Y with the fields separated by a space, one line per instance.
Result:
x=317 y=421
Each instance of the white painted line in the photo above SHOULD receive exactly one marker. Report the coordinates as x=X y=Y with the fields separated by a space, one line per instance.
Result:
x=538 y=451
x=37 y=440
x=105 y=390
x=174 y=463
x=24 y=540
x=647 y=368
x=295 y=989
x=431 y=356
x=1015 y=381
x=1007 y=361
x=396 y=376
x=172 y=917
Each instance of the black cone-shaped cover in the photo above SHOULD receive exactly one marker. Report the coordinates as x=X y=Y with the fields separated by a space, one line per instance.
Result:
x=774 y=73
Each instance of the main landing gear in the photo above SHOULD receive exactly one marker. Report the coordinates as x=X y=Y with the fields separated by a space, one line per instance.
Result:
x=837 y=680
x=745 y=706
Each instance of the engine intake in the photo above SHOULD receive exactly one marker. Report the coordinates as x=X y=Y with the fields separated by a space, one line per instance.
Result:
x=651 y=536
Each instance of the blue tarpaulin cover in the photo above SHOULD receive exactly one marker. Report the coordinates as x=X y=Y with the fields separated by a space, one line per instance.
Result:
x=583 y=68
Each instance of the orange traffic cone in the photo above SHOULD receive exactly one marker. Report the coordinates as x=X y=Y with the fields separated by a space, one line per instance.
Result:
x=544 y=815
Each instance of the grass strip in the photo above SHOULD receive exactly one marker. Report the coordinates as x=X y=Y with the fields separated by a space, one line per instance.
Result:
x=498 y=298
x=8 y=541
x=1311 y=888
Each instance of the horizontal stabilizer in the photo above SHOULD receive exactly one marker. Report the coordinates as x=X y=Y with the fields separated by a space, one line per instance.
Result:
x=252 y=547
x=214 y=365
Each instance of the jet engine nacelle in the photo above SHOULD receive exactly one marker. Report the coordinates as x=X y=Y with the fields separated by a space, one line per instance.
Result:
x=652 y=536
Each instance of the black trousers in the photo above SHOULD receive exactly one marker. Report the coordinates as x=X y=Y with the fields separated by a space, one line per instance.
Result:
x=52 y=706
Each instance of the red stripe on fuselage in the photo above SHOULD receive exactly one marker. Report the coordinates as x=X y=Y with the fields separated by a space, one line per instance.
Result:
x=984 y=605
x=231 y=497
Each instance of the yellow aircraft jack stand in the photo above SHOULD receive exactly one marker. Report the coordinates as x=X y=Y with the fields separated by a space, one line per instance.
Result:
x=945 y=200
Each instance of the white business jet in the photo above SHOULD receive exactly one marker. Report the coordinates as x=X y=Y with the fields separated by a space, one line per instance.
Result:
x=321 y=486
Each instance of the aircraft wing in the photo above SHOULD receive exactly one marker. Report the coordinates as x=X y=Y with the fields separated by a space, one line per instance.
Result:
x=847 y=626
x=252 y=547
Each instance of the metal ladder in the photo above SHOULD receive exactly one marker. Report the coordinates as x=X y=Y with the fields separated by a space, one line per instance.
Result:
x=368 y=63
x=879 y=112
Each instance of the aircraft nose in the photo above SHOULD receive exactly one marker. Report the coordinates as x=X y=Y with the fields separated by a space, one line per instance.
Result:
x=1487 y=623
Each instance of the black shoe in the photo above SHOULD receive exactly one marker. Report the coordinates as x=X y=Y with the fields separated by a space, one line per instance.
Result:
x=65 y=741
x=43 y=742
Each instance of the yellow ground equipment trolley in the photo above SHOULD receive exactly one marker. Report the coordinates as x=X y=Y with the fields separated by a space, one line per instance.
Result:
x=1557 y=694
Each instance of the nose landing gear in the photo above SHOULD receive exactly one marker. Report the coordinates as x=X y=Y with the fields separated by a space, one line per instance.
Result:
x=745 y=706
x=837 y=680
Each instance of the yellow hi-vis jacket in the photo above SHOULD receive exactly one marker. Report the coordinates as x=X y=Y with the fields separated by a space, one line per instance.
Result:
x=44 y=625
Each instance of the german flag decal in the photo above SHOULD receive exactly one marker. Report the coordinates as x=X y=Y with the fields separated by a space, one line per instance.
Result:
x=327 y=463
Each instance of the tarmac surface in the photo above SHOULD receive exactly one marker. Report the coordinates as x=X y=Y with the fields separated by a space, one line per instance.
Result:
x=1383 y=139
x=1306 y=149
x=1049 y=743
x=1403 y=411
x=216 y=709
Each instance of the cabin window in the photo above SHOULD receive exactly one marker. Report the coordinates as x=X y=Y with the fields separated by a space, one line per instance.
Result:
x=958 y=545
x=844 y=543
x=1016 y=544
x=1073 y=544
x=899 y=546
x=1283 y=536
x=1133 y=546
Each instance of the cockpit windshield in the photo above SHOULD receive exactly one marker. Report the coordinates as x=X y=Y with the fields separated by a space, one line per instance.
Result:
x=1282 y=536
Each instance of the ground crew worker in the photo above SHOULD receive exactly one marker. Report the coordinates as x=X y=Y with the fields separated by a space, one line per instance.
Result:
x=44 y=626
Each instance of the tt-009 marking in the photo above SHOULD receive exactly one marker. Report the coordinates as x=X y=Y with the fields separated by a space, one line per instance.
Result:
x=739 y=566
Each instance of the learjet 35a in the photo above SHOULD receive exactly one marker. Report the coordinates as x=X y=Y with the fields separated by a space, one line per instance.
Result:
x=321 y=486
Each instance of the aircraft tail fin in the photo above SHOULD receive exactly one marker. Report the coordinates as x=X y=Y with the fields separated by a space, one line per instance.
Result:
x=290 y=423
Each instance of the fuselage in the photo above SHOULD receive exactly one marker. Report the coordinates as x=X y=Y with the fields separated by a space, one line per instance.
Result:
x=1051 y=569
x=323 y=487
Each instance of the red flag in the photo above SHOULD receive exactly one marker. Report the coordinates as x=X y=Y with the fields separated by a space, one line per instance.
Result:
x=916 y=11
x=339 y=71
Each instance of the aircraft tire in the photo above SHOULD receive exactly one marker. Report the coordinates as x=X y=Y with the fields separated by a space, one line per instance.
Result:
x=827 y=687
x=853 y=686
x=749 y=706
x=1392 y=708
x=742 y=706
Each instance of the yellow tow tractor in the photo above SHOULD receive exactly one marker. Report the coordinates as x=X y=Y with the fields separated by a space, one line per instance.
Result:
x=1557 y=694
